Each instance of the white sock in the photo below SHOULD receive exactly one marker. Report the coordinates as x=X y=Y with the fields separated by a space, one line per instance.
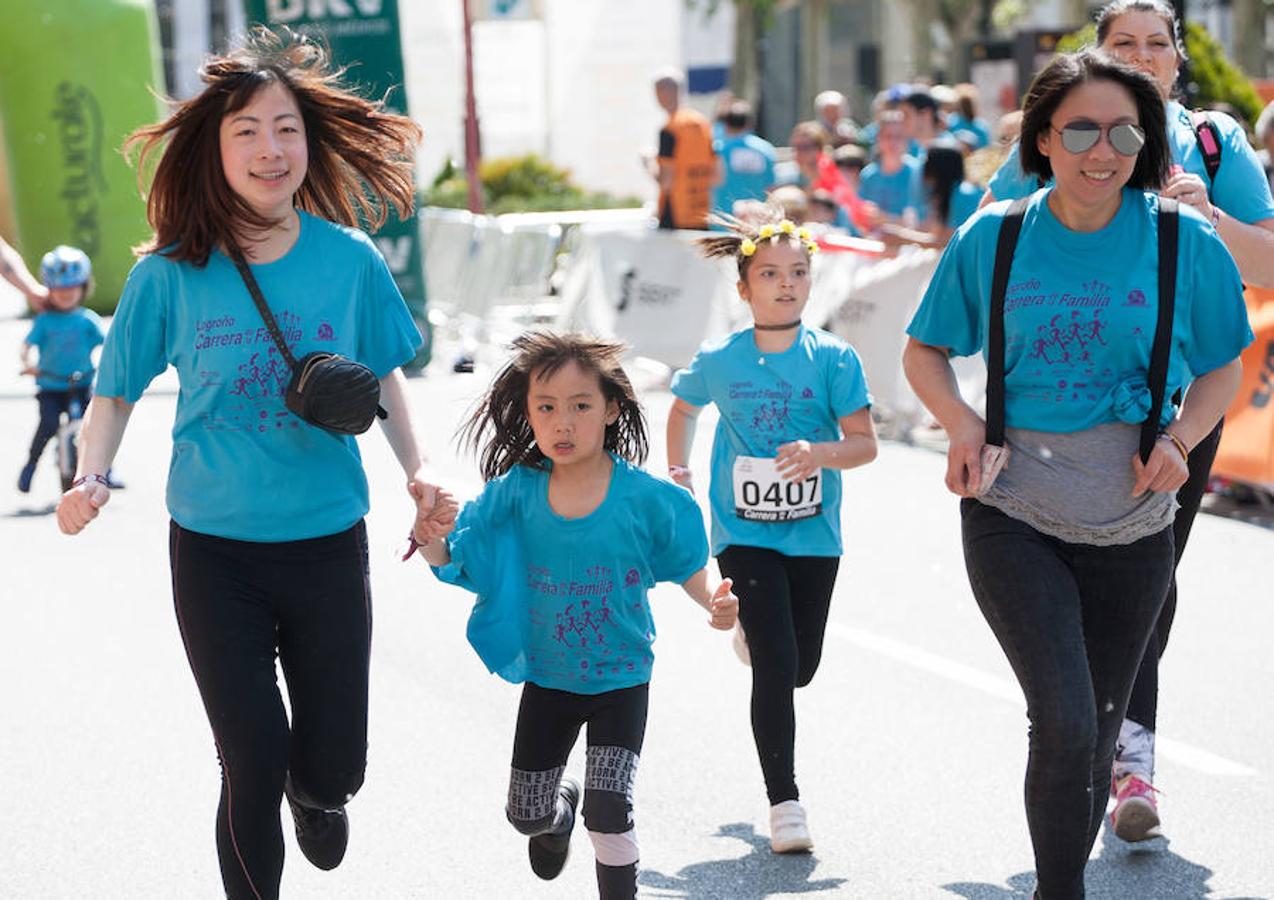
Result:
x=1135 y=751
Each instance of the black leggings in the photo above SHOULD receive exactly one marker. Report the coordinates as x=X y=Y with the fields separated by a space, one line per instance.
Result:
x=783 y=604
x=239 y=605
x=1143 y=706
x=52 y=404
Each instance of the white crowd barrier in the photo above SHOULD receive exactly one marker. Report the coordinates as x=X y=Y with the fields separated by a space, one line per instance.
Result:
x=615 y=276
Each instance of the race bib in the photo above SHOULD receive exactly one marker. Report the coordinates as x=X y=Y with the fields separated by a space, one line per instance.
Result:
x=762 y=495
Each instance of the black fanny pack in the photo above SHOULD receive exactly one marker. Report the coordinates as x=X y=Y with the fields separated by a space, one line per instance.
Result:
x=328 y=390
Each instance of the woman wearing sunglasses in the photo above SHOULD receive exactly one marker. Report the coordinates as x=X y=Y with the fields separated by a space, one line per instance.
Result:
x=1069 y=551
x=1147 y=35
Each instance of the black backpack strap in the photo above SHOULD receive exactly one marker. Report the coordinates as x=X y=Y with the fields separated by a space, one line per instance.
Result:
x=1010 y=227
x=1208 y=137
x=1157 y=379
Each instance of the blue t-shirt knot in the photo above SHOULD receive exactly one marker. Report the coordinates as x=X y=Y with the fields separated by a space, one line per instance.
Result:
x=1131 y=401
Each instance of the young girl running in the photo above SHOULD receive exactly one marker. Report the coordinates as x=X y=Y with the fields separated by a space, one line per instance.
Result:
x=794 y=410
x=561 y=548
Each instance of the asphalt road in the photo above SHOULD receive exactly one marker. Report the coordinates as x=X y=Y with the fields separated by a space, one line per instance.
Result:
x=911 y=741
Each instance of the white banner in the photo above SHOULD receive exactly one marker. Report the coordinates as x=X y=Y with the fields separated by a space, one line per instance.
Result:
x=650 y=289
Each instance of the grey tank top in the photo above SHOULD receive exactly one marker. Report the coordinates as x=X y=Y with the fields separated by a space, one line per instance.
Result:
x=1078 y=487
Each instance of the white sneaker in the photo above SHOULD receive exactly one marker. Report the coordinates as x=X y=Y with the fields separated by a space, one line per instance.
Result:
x=789 y=832
x=740 y=644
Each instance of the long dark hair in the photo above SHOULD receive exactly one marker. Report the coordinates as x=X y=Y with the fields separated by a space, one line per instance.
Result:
x=360 y=157
x=943 y=172
x=1068 y=71
x=499 y=429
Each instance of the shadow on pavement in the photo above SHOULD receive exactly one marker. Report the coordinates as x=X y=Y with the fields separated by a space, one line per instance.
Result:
x=753 y=877
x=1254 y=508
x=1123 y=870
x=31 y=512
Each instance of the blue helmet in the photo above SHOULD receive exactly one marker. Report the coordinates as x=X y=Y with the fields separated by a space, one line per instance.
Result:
x=64 y=267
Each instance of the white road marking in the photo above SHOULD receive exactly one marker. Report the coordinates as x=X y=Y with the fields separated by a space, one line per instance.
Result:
x=1182 y=754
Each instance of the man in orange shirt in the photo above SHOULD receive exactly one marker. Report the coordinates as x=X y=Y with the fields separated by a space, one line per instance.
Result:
x=686 y=167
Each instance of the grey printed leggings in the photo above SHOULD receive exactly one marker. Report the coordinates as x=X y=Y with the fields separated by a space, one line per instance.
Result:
x=549 y=723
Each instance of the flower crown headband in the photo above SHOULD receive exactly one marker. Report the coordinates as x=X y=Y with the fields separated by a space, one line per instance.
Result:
x=771 y=233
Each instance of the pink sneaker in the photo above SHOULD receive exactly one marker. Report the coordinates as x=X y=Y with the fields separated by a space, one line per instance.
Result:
x=1135 y=816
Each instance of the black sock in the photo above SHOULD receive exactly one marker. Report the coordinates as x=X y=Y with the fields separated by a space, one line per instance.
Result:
x=617 y=882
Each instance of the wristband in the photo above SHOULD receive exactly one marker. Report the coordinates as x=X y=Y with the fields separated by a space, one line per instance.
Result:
x=412 y=545
x=85 y=479
x=1176 y=442
x=1216 y=216
x=674 y=471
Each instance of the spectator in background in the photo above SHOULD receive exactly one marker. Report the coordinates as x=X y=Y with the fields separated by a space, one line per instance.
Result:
x=950 y=198
x=725 y=100
x=15 y=271
x=793 y=201
x=893 y=181
x=1265 y=141
x=745 y=160
x=884 y=101
x=686 y=167
x=818 y=172
x=1009 y=128
x=920 y=121
x=966 y=118
x=851 y=160
x=830 y=112
x=825 y=211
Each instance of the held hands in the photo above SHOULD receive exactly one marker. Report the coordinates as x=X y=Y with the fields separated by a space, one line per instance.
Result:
x=1165 y=471
x=797 y=460
x=436 y=511
x=80 y=505
x=723 y=606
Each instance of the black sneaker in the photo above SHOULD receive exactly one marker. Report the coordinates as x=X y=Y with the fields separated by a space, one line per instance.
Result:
x=25 y=476
x=321 y=833
x=548 y=852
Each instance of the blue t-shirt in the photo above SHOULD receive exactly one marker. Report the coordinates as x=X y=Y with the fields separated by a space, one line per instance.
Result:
x=243 y=466
x=748 y=167
x=1241 y=188
x=897 y=192
x=977 y=127
x=1080 y=311
x=563 y=602
x=964 y=203
x=66 y=341
x=766 y=400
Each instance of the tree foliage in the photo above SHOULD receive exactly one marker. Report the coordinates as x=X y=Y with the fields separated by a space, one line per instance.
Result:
x=518 y=184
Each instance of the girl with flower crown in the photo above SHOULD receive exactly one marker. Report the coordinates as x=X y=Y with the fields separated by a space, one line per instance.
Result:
x=794 y=411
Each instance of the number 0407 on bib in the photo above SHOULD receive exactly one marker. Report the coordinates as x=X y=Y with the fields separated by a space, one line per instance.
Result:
x=761 y=494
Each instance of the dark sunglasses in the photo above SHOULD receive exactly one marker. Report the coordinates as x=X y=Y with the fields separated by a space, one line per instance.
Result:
x=1081 y=136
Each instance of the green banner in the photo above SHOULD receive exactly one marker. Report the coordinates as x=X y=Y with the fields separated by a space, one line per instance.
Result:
x=364 y=35
x=76 y=77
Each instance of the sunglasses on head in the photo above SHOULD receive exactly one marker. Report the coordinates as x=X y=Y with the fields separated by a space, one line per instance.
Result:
x=1080 y=136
